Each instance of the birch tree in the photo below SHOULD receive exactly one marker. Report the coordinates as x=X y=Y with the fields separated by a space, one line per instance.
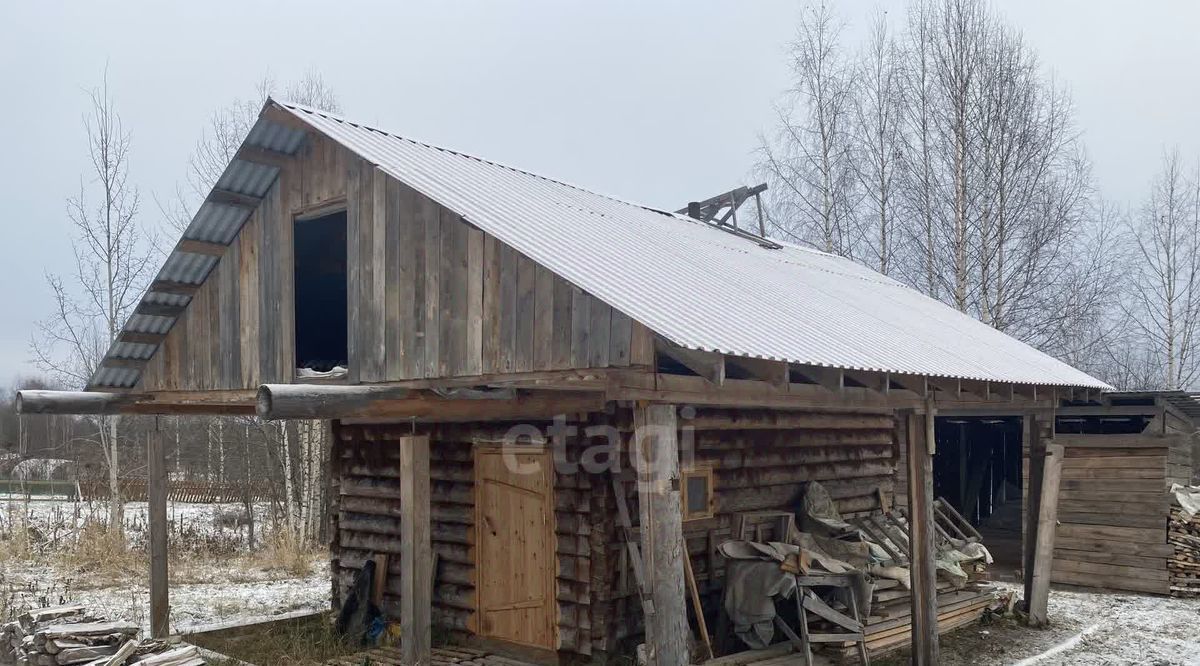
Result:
x=112 y=265
x=878 y=115
x=809 y=164
x=1165 y=300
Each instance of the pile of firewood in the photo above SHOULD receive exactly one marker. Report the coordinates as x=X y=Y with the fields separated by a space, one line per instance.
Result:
x=1184 y=565
x=68 y=635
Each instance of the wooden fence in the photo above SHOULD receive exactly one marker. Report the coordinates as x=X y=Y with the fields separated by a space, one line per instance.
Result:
x=196 y=492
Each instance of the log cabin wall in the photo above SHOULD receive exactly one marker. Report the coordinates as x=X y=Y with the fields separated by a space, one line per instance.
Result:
x=761 y=461
x=429 y=295
x=366 y=520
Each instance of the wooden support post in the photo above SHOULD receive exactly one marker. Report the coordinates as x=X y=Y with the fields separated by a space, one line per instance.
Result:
x=416 y=554
x=657 y=453
x=920 y=434
x=1033 y=499
x=1043 y=551
x=160 y=607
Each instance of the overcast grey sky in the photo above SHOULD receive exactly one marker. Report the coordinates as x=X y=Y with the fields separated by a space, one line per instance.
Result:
x=653 y=102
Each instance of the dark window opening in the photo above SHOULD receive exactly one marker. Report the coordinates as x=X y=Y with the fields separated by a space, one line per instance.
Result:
x=320 y=291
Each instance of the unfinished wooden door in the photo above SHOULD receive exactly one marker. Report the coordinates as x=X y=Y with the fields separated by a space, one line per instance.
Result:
x=515 y=547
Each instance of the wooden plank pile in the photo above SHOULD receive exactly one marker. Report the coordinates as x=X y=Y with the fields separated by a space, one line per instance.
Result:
x=457 y=655
x=1183 y=534
x=70 y=635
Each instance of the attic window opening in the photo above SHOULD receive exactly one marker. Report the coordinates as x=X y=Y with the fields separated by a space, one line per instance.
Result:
x=320 y=293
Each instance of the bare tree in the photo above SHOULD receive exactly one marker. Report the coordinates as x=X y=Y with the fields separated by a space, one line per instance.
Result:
x=878 y=114
x=226 y=129
x=112 y=264
x=1165 y=300
x=809 y=164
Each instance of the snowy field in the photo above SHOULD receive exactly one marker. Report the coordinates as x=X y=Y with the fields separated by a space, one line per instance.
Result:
x=1088 y=629
x=214 y=579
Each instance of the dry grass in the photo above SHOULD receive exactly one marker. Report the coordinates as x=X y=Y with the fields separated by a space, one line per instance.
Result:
x=283 y=550
x=100 y=551
x=306 y=642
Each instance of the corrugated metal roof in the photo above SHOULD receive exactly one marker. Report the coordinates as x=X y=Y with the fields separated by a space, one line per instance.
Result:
x=701 y=287
x=214 y=222
x=696 y=285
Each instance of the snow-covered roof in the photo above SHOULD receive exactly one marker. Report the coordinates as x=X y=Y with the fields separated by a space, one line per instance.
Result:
x=694 y=284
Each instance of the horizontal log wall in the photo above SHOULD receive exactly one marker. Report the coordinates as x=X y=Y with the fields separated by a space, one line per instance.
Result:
x=762 y=461
x=367 y=521
x=429 y=295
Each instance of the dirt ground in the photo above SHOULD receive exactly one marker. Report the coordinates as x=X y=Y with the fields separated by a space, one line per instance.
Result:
x=1087 y=629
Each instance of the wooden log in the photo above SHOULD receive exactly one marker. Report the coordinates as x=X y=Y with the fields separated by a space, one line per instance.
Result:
x=160 y=608
x=921 y=436
x=656 y=441
x=69 y=402
x=1043 y=554
x=416 y=553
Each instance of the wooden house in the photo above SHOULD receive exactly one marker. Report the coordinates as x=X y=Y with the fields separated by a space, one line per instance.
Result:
x=515 y=348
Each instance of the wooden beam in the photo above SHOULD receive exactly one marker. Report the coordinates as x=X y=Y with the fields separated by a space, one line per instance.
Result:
x=951 y=387
x=1036 y=445
x=69 y=402
x=416 y=553
x=914 y=383
x=235 y=199
x=177 y=288
x=317 y=401
x=775 y=373
x=975 y=387
x=921 y=434
x=160 y=608
x=141 y=338
x=876 y=381
x=192 y=246
x=656 y=447
x=159 y=309
x=1047 y=520
x=709 y=365
x=135 y=363
x=367 y=403
x=831 y=379
x=263 y=156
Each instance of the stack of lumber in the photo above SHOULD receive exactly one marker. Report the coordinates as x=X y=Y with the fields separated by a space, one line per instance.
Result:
x=69 y=635
x=459 y=655
x=1112 y=513
x=889 y=626
x=1183 y=534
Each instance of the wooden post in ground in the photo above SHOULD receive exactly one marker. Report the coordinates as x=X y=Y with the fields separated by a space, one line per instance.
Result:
x=656 y=445
x=921 y=446
x=160 y=608
x=416 y=554
x=1043 y=551
x=1036 y=447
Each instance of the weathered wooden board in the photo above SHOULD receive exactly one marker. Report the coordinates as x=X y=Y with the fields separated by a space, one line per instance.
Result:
x=428 y=294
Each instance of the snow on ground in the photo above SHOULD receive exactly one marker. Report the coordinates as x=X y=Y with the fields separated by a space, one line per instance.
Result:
x=214 y=579
x=1117 y=629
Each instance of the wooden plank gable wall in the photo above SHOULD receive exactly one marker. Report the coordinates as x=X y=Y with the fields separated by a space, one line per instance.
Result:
x=429 y=295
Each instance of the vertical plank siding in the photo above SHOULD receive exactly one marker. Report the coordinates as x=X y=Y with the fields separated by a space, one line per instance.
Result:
x=429 y=295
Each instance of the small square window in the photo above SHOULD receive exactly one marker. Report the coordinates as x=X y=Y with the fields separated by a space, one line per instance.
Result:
x=697 y=492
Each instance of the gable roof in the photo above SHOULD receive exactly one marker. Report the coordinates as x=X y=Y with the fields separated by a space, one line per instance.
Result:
x=696 y=285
